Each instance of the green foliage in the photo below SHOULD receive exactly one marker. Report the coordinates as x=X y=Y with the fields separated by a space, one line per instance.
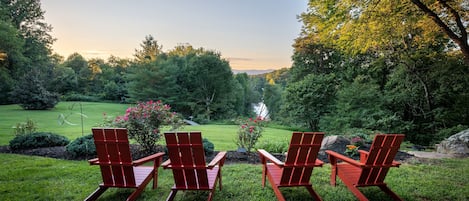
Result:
x=82 y=146
x=80 y=97
x=208 y=146
x=36 y=140
x=25 y=128
x=308 y=100
x=249 y=132
x=31 y=94
x=144 y=120
x=273 y=146
x=447 y=132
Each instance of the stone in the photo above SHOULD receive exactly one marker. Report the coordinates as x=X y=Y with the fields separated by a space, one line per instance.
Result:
x=335 y=143
x=457 y=144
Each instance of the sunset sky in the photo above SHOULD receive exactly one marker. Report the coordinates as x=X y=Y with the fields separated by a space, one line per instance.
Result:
x=251 y=34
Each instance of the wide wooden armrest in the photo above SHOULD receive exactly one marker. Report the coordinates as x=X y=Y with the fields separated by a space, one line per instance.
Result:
x=270 y=157
x=336 y=155
x=219 y=159
x=94 y=161
x=395 y=164
x=148 y=158
x=166 y=164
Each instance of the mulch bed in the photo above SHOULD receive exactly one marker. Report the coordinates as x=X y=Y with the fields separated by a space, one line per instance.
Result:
x=231 y=156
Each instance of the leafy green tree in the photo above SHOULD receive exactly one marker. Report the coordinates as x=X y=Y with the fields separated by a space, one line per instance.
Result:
x=364 y=26
x=209 y=80
x=64 y=80
x=246 y=95
x=31 y=94
x=83 y=73
x=308 y=100
x=273 y=99
x=361 y=105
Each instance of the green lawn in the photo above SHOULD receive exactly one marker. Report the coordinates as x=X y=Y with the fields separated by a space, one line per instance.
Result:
x=47 y=120
x=38 y=178
x=223 y=136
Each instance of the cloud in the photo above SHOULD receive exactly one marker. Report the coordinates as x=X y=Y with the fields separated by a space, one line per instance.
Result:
x=238 y=59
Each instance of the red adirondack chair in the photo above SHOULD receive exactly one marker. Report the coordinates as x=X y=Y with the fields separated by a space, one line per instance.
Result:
x=372 y=168
x=299 y=163
x=117 y=168
x=187 y=160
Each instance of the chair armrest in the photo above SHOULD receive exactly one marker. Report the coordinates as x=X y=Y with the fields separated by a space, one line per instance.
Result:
x=333 y=154
x=264 y=154
x=395 y=164
x=148 y=158
x=219 y=159
x=94 y=161
x=166 y=164
x=363 y=155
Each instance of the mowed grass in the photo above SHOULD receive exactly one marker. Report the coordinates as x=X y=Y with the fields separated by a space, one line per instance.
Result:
x=39 y=178
x=47 y=120
x=223 y=136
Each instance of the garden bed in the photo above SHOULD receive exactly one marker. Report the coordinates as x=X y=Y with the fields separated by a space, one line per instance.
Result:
x=60 y=152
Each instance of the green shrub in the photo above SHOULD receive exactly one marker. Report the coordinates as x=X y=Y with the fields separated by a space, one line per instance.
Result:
x=36 y=140
x=273 y=146
x=82 y=146
x=208 y=146
x=80 y=97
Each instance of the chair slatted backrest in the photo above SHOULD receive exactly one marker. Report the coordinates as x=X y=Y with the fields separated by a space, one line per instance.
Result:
x=380 y=158
x=301 y=158
x=186 y=153
x=115 y=161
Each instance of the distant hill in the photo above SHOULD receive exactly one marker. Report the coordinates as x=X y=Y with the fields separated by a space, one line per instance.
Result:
x=253 y=72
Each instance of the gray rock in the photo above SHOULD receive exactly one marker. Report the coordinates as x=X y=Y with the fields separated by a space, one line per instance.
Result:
x=457 y=144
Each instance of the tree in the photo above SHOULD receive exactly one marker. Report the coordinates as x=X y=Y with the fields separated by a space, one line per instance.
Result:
x=83 y=73
x=31 y=94
x=308 y=100
x=209 y=80
x=150 y=50
x=385 y=25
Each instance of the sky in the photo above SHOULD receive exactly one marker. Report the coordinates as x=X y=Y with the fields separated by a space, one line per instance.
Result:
x=250 y=34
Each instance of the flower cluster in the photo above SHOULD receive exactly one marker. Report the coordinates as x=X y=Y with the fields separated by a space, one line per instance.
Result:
x=351 y=150
x=144 y=120
x=249 y=131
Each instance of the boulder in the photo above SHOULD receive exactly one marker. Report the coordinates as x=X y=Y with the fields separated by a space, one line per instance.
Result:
x=334 y=143
x=457 y=144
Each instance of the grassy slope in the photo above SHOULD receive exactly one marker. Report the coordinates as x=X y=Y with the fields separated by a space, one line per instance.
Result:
x=38 y=178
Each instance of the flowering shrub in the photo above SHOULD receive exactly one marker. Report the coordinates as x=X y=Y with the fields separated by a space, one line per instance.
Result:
x=144 y=120
x=351 y=150
x=249 y=132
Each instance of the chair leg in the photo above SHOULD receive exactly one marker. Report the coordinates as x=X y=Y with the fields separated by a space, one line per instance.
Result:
x=278 y=194
x=155 y=178
x=264 y=172
x=210 y=195
x=219 y=181
x=313 y=193
x=357 y=193
x=389 y=192
x=172 y=195
x=94 y=196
